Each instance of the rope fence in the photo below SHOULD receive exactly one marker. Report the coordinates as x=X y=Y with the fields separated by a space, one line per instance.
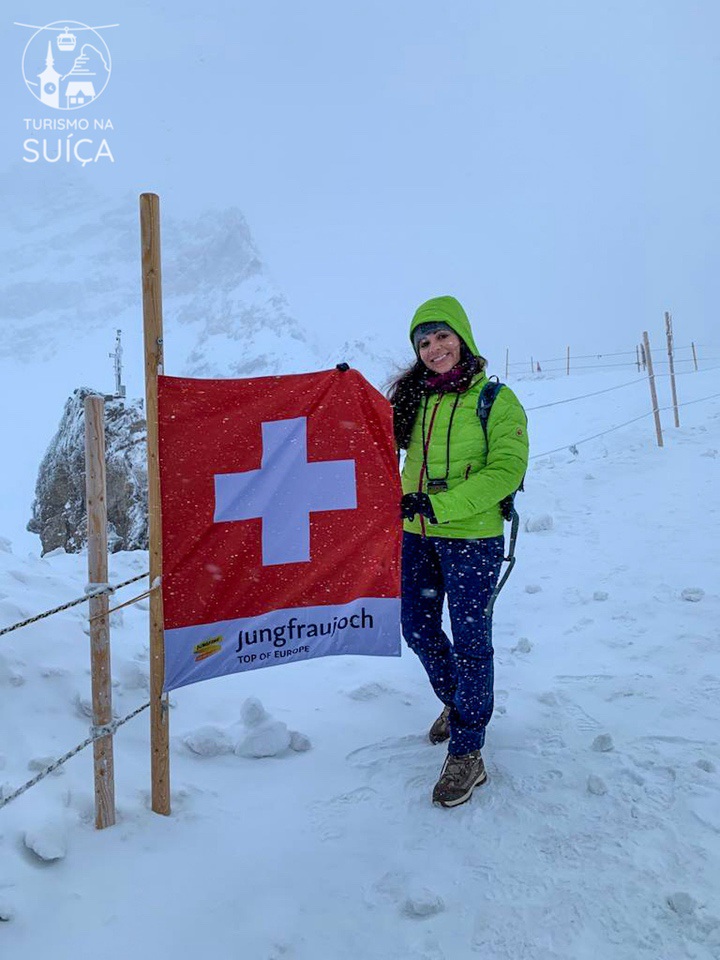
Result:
x=140 y=596
x=636 y=358
x=599 y=356
x=97 y=733
x=619 y=386
x=94 y=591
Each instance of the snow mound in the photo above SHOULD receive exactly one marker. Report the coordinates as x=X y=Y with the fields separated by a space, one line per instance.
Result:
x=522 y=646
x=253 y=713
x=7 y=911
x=596 y=785
x=208 y=741
x=421 y=904
x=268 y=739
x=369 y=691
x=692 y=594
x=265 y=736
x=261 y=736
x=299 y=742
x=48 y=841
x=539 y=524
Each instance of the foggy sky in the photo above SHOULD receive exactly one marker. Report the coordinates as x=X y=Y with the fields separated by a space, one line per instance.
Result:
x=555 y=165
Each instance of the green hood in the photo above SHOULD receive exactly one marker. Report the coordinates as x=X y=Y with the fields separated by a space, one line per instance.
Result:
x=446 y=310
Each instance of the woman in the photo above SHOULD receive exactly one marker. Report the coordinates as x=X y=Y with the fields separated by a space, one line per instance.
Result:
x=453 y=482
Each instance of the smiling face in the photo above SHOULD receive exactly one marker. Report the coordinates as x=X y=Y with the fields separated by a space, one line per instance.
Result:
x=440 y=350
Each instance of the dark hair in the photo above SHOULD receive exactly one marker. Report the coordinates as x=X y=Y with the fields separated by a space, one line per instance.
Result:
x=405 y=393
x=408 y=388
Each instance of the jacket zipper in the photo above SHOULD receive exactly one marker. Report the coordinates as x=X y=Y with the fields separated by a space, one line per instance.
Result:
x=425 y=453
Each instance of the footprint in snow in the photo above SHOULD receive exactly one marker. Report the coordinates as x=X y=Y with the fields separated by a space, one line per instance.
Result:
x=570 y=711
x=522 y=646
x=692 y=594
x=681 y=903
x=389 y=749
x=370 y=691
x=412 y=900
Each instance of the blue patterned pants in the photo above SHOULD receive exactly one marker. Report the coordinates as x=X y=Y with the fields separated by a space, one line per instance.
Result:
x=461 y=670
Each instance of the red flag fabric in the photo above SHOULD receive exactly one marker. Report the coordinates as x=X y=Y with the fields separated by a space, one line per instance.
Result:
x=280 y=519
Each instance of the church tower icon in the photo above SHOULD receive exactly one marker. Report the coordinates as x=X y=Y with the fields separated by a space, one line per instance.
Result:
x=50 y=81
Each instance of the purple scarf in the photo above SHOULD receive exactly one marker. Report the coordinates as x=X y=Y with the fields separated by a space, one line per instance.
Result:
x=456 y=380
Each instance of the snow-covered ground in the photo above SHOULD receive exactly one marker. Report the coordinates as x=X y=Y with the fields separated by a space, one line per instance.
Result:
x=598 y=833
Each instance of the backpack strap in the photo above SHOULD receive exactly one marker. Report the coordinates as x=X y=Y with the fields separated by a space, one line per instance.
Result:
x=485 y=403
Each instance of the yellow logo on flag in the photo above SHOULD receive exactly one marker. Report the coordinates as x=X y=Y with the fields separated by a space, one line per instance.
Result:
x=206 y=648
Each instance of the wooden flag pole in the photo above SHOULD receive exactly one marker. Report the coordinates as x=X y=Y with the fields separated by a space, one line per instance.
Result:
x=96 y=501
x=153 y=327
x=653 y=391
x=669 y=334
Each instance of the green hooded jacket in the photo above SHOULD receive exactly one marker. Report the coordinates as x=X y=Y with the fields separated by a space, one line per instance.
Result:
x=477 y=478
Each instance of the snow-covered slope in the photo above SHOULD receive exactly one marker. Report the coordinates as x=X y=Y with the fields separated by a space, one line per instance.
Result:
x=597 y=835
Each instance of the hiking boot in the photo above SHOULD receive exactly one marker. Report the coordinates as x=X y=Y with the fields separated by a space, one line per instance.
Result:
x=458 y=779
x=440 y=730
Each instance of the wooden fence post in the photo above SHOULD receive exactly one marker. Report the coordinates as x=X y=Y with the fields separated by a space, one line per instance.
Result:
x=96 y=502
x=694 y=356
x=153 y=330
x=671 y=359
x=653 y=391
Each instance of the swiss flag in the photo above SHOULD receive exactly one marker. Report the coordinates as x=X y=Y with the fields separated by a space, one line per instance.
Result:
x=280 y=522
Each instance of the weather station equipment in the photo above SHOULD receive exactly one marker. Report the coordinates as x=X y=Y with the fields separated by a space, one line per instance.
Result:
x=120 y=391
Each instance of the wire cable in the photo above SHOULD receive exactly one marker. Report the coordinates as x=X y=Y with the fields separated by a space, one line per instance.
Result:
x=568 y=446
x=596 y=393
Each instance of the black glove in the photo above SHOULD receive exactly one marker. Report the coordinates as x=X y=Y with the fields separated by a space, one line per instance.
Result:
x=413 y=503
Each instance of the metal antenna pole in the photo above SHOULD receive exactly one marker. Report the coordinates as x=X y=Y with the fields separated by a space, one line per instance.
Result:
x=117 y=357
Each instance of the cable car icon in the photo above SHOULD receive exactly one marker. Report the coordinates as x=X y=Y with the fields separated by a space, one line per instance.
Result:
x=66 y=40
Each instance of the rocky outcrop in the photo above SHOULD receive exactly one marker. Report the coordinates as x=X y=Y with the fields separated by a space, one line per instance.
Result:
x=59 y=513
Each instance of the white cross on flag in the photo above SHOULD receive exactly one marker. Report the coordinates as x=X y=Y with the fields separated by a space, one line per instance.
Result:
x=280 y=519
